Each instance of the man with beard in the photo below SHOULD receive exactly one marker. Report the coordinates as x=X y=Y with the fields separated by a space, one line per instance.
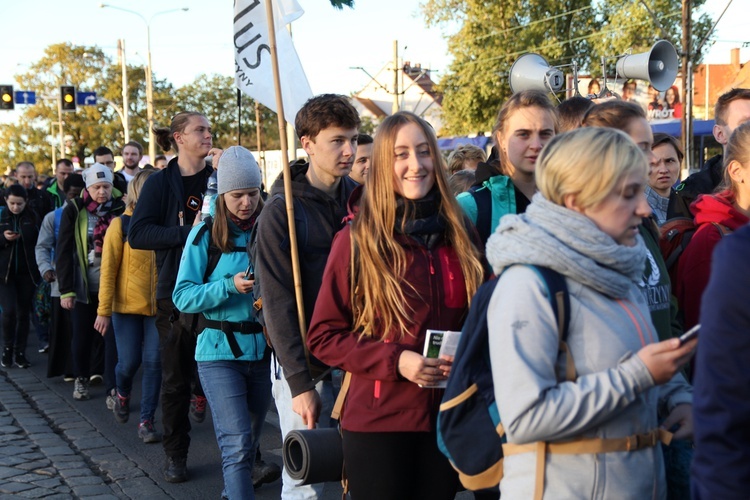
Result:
x=132 y=153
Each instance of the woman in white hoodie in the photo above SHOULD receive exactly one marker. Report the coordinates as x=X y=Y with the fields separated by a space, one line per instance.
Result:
x=594 y=434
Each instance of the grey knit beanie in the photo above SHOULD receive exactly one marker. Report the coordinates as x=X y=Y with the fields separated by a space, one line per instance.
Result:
x=237 y=170
x=97 y=173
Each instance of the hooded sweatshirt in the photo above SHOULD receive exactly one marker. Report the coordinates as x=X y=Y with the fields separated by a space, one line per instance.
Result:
x=694 y=265
x=614 y=395
x=318 y=217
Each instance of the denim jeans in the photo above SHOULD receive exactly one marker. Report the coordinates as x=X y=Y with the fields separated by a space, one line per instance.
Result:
x=289 y=421
x=239 y=394
x=138 y=343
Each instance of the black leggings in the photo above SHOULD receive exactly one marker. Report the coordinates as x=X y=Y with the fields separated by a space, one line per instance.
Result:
x=397 y=465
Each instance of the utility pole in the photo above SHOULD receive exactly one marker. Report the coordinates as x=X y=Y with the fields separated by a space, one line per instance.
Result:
x=60 y=124
x=395 y=107
x=125 y=118
x=687 y=84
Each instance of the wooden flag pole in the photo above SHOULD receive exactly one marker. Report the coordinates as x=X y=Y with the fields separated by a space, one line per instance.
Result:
x=287 y=180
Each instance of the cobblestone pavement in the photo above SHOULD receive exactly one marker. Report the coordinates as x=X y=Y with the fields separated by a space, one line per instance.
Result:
x=47 y=450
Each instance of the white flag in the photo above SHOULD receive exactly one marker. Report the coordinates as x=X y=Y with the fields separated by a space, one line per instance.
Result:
x=253 y=69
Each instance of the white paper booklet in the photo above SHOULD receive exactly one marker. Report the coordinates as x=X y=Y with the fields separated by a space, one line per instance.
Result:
x=440 y=344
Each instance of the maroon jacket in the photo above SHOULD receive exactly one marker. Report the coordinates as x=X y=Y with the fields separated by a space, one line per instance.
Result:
x=379 y=399
x=694 y=265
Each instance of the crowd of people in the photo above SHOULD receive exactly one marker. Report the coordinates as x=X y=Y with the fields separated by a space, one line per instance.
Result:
x=224 y=308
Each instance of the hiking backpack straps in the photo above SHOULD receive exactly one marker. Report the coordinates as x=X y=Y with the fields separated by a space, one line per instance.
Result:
x=197 y=322
x=483 y=199
x=675 y=236
x=469 y=429
x=125 y=219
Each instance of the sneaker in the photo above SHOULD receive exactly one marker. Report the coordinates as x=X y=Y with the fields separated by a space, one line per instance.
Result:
x=68 y=378
x=147 y=433
x=176 y=470
x=121 y=407
x=7 y=361
x=96 y=380
x=81 y=389
x=110 y=400
x=21 y=360
x=264 y=472
x=44 y=349
x=198 y=408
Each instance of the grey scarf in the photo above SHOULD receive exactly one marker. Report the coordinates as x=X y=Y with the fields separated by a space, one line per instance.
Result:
x=570 y=243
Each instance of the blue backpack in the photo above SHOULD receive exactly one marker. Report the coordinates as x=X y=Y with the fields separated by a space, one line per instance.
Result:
x=469 y=430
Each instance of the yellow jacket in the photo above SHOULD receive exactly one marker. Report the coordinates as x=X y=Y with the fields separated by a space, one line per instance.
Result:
x=128 y=277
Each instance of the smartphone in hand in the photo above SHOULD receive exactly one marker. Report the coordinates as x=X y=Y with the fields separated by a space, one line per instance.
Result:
x=690 y=334
x=249 y=275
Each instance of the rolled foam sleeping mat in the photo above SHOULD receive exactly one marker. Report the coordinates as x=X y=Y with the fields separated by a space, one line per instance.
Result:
x=314 y=456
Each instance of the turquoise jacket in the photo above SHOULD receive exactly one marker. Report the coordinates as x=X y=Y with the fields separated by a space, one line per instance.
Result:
x=503 y=200
x=217 y=299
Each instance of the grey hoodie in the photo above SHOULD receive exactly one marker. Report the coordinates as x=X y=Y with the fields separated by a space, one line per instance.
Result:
x=614 y=395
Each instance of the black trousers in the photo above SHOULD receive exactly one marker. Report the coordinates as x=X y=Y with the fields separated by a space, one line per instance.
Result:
x=178 y=373
x=16 y=299
x=397 y=465
x=92 y=353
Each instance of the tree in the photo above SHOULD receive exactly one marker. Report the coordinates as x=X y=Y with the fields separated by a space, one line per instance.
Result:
x=35 y=134
x=32 y=137
x=216 y=97
x=492 y=35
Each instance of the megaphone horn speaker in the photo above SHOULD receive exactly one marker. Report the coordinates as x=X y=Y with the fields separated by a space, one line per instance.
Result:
x=658 y=65
x=533 y=72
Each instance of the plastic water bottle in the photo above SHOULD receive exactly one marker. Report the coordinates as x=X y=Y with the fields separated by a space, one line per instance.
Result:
x=209 y=196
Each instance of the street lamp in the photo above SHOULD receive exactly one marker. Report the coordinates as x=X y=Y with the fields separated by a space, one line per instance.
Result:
x=149 y=79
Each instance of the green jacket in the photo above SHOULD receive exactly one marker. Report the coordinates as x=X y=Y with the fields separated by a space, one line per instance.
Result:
x=57 y=194
x=73 y=248
x=657 y=288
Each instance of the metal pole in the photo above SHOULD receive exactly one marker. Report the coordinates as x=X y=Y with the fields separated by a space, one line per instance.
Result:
x=125 y=119
x=687 y=85
x=54 y=153
x=150 y=99
x=394 y=108
x=60 y=126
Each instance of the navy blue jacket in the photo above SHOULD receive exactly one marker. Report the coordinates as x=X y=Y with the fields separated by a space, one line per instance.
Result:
x=721 y=465
x=156 y=223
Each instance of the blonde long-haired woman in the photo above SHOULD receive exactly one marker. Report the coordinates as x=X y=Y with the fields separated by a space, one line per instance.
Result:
x=414 y=267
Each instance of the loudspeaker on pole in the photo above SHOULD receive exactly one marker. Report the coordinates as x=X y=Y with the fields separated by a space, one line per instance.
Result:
x=658 y=65
x=533 y=72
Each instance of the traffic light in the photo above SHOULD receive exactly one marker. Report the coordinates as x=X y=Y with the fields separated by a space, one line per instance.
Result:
x=68 y=97
x=6 y=96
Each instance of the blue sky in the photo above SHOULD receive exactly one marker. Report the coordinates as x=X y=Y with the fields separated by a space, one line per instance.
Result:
x=329 y=42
